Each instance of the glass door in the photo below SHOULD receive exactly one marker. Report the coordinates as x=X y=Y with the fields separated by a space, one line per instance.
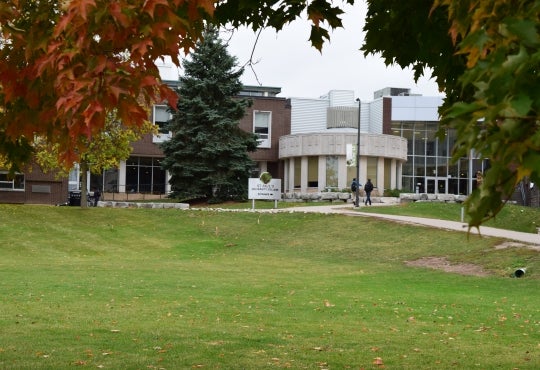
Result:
x=436 y=185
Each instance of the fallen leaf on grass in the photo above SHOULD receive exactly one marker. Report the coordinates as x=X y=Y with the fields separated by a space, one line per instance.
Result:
x=378 y=361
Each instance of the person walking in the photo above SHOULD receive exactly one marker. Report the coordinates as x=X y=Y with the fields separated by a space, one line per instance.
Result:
x=97 y=195
x=354 y=189
x=368 y=188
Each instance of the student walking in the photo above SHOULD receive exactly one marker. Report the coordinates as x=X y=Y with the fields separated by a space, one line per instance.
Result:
x=354 y=189
x=368 y=188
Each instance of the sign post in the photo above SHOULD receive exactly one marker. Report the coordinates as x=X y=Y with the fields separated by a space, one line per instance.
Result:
x=264 y=187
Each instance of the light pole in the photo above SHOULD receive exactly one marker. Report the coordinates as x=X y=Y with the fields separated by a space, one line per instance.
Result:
x=358 y=154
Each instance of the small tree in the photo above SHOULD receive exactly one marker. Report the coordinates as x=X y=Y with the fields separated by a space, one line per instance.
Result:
x=207 y=156
x=103 y=151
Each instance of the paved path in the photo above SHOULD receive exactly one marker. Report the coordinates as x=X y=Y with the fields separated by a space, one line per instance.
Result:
x=529 y=238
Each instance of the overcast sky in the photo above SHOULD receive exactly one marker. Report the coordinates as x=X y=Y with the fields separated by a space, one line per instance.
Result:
x=287 y=60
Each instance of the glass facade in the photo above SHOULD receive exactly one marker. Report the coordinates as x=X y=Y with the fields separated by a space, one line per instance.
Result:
x=107 y=182
x=313 y=172
x=297 y=172
x=371 y=163
x=145 y=175
x=429 y=168
x=332 y=171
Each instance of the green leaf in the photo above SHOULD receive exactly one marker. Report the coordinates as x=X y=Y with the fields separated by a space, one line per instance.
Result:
x=525 y=29
x=522 y=104
x=317 y=36
x=460 y=109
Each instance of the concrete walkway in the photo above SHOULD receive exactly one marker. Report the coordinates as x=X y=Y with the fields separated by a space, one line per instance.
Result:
x=349 y=210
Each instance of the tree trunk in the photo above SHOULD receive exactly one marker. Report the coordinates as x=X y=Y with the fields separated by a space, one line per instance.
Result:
x=84 y=184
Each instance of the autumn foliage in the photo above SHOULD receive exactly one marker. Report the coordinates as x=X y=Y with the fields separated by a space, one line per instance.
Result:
x=66 y=64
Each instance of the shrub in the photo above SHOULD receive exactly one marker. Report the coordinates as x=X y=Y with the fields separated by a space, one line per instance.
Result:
x=392 y=192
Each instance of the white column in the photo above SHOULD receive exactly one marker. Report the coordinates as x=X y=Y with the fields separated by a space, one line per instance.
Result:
x=399 y=174
x=380 y=175
x=286 y=176
x=393 y=173
x=122 y=177
x=291 y=174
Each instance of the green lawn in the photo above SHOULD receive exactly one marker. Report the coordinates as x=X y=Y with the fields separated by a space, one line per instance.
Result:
x=169 y=289
x=511 y=217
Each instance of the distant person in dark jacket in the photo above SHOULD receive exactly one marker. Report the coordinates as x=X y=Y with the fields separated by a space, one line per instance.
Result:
x=97 y=195
x=354 y=189
x=368 y=188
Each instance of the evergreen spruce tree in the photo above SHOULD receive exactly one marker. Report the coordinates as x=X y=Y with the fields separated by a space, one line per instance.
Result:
x=207 y=156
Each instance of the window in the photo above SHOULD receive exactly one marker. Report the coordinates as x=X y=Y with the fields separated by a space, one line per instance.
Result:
x=73 y=179
x=15 y=182
x=145 y=175
x=332 y=171
x=161 y=117
x=313 y=172
x=372 y=164
x=262 y=127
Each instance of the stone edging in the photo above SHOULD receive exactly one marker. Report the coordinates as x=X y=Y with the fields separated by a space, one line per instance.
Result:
x=111 y=204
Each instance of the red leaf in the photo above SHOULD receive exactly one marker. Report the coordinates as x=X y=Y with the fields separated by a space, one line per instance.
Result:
x=149 y=6
x=116 y=12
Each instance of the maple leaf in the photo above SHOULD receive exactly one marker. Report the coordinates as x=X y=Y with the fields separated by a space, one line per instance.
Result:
x=81 y=7
x=149 y=6
x=116 y=12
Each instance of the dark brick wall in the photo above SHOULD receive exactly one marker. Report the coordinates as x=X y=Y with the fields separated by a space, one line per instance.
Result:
x=39 y=188
x=387 y=116
x=281 y=124
x=146 y=147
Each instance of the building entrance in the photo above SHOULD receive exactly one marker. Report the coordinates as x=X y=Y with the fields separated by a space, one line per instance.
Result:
x=436 y=185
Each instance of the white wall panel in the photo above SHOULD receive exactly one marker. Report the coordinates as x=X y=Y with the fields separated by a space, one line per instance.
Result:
x=343 y=98
x=375 y=116
x=415 y=108
x=308 y=115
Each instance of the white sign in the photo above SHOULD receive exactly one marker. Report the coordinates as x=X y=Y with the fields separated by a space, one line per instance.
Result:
x=351 y=155
x=260 y=190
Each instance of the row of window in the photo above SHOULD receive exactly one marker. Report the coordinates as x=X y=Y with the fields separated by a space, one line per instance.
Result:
x=332 y=175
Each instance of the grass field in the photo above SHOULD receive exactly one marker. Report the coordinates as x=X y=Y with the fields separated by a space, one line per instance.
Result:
x=169 y=289
x=511 y=217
